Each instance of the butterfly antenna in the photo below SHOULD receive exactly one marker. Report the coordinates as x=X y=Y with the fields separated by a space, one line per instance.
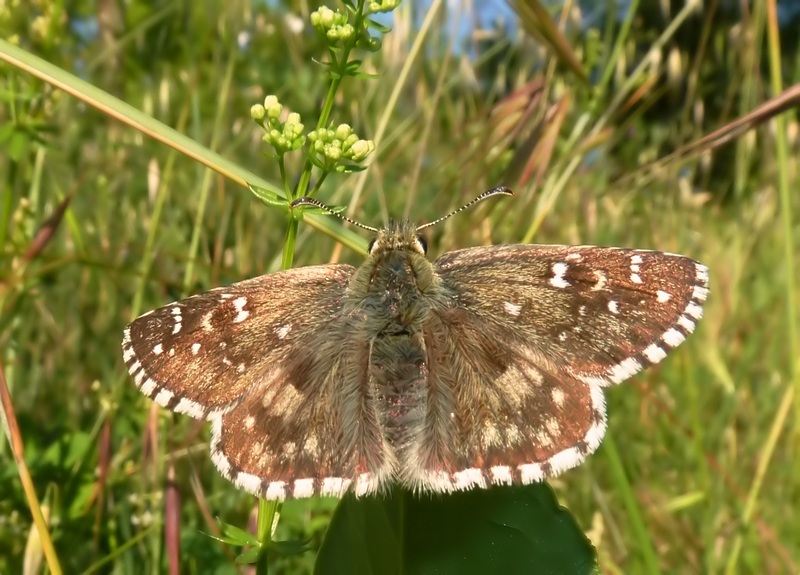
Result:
x=306 y=201
x=499 y=190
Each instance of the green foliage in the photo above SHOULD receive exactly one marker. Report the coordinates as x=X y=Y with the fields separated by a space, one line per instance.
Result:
x=701 y=464
x=510 y=530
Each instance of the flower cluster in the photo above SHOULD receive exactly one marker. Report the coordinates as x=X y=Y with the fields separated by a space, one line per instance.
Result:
x=383 y=6
x=333 y=25
x=283 y=136
x=331 y=146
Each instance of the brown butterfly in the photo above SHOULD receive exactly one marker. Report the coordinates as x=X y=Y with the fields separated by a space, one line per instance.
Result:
x=484 y=367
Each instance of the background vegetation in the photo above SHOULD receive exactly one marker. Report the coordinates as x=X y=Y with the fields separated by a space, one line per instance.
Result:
x=103 y=219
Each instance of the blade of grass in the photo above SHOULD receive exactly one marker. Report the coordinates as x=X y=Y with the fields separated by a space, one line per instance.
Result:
x=391 y=102
x=127 y=114
x=14 y=436
x=638 y=526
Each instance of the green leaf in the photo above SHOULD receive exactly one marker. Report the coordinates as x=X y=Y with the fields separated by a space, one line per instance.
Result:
x=293 y=547
x=233 y=535
x=301 y=210
x=269 y=197
x=374 y=24
x=353 y=66
x=519 y=529
x=350 y=168
x=249 y=556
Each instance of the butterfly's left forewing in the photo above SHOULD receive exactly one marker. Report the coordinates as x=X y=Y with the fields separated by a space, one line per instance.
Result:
x=518 y=358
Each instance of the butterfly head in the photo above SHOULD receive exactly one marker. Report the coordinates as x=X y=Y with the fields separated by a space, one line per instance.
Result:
x=399 y=237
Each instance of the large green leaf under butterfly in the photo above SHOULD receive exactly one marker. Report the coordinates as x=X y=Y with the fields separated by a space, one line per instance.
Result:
x=484 y=367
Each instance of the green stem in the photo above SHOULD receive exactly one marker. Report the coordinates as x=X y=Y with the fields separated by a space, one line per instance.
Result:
x=268 y=509
x=338 y=71
x=287 y=189
x=266 y=517
x=318 y=185
x=288 y=246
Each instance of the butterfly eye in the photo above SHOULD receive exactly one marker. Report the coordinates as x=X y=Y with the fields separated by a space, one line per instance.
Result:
x=422 y=243
x=372 y=244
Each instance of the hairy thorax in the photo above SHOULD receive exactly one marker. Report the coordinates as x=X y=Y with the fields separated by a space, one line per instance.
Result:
x=393 y=296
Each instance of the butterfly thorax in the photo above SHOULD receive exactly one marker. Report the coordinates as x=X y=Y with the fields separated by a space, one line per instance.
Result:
x=392 y=287
x=390 y=297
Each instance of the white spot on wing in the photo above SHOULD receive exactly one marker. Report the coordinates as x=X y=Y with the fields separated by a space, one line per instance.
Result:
x=468 y=478
x=663 y=297
x=241 y=313
x=602 y=280
x=439 y=481
x=654 y=353
x=276 y=490
x=303 y=487
x=148 y=387
x=558 y=397
x=625 y=369
x=134 y=368
x=249 y=422
x=501 y=475
x=195 y=348
x=158 y=349
x=531 y=473
x=596 y=432
x=190 y=408
x=635 y=278
x=176 y=314
x=217 y=456
x=700 y=293
x=613 y=307
x=249 y=482
x=701 y=273
x=334 y=486
x=512 y=308
x=283 y=331
x=694 y=310
x=673 y=337
x=559 y=270
x=163 y=397
x=686 y=323
x=566 y=459
x=127 y=354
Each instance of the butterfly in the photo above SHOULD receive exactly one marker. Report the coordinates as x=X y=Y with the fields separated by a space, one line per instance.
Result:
x=484 y=367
